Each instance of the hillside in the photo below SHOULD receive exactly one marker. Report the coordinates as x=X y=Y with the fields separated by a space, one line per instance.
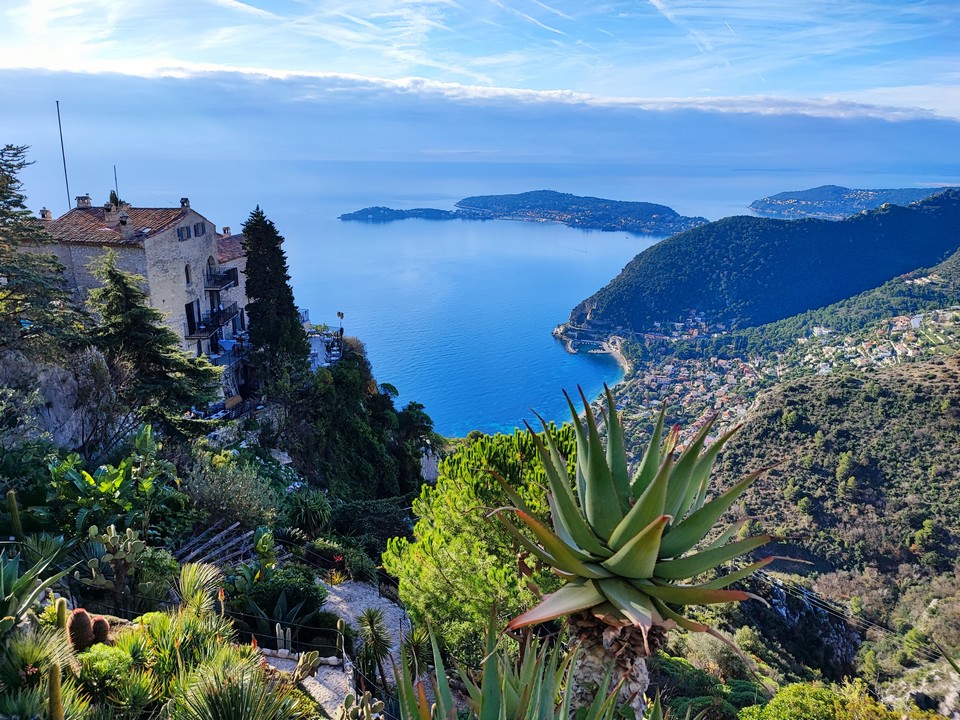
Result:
x=865 y=459
x=914 y=292
x=745 y=271
x=833 y=202
x=587 y=213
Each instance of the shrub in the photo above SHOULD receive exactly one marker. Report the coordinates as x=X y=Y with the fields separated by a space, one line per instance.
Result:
x=232 y=491
x=298 y=581
x=360 y=566
x=799 y=701
x=307 y=509
x=102 y=669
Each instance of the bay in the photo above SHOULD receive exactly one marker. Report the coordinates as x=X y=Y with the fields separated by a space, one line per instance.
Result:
x=458 y=314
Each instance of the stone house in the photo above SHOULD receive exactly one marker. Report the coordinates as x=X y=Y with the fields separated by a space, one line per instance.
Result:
x=193 y=275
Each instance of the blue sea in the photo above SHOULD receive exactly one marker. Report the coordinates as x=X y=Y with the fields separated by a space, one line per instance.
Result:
x=458 y=314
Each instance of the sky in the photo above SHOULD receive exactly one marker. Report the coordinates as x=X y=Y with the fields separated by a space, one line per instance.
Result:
x=891 y=58
x=233 y=101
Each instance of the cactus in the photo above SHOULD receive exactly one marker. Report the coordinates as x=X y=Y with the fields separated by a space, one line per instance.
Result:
x=54 y=693
x=307 y=665
x=61 y=605
x=365 y=709
x=80 y=629
x=284 y=639
x=14 y=511
x=341 y=633
x=121 y=553
x=101 y=629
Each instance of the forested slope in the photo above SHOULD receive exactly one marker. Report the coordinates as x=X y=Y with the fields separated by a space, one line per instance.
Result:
x=745 y=271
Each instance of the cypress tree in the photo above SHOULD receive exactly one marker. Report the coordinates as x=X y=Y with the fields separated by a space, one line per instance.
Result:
x=275 y=328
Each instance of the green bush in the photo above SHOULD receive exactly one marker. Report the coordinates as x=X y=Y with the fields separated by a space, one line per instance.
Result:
x=799 y=701
x=306 y=508
x=360 y=566
x=713 y=707
x=102 y=669
x=232 y=491
x=299 y=582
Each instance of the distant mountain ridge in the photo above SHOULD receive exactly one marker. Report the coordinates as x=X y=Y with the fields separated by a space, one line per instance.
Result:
x=745 y=271
x=834 y=202
x=588 y=213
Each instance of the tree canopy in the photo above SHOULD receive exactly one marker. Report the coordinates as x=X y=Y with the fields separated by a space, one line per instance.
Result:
x=154 y=377
x=35 y=307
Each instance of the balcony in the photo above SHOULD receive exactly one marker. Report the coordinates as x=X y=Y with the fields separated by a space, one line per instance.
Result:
x=221 y=280
x=209 y=323
x=227 y=358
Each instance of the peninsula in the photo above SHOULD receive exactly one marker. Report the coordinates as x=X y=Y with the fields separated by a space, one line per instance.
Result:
x=588 y=213
x=833 y=202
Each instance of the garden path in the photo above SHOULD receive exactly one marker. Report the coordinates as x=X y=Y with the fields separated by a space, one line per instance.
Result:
x=349 y=600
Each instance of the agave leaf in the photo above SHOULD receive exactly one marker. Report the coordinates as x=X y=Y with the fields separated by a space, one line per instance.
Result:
x=682 y=476
x=568 y=514
x=602 y=504
x=686 y=534
x=617 y=452
x=490 y=698
x=692 y=565
x=566 y=558
x=740 y=574
x=692 y=594
x=445 y=703
x=531 y=546
x=582 y=449
x=651 y=458
x=633 y=604
x=570 y=598
x=645 y=510
x=638 y=557
x=701 y=473
x=728 y=532
x=512 y=494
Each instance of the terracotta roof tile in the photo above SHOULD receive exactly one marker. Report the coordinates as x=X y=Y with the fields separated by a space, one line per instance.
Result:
x=90 y=226
x=230 y=248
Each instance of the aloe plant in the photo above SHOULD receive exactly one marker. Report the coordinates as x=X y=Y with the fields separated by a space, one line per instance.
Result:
x=630 y=547
x=18 y=592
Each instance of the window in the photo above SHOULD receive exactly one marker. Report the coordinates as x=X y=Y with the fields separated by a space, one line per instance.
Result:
x=183 y=233
x=199 y=229
x=186 y=272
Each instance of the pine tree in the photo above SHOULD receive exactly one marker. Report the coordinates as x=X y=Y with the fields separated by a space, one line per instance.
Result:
x=35 y=306
x=156 y=379
x=275 y=328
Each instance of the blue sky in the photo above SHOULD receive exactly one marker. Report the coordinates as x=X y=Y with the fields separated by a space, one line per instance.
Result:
x=233 y=102
x=816 y=56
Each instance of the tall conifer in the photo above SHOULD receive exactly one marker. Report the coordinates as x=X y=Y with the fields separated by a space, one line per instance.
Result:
x=35 y=305
x=155 y=377
x=275 y=328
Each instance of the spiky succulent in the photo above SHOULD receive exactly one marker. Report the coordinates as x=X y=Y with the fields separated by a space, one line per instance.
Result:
x=630 y=547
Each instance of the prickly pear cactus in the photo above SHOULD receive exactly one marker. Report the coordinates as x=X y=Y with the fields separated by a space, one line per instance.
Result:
x=366 y=709
x=121 y=551
x=307 y=665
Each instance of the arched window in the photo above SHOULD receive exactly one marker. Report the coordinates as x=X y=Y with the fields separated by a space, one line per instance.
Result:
x=186 y=272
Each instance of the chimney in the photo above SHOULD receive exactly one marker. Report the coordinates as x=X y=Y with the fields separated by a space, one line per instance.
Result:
x=84 y=201
x=110 y=214
x=46 y=215
x=226 y=231
x=126 y=229
x=184 y=203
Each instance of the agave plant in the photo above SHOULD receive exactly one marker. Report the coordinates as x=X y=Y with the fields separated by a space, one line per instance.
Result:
x=19 y=591
x=629 y=547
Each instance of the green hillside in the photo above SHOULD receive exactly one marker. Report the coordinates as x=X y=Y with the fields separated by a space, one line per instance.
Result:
x=745 y=271
x=869 y=474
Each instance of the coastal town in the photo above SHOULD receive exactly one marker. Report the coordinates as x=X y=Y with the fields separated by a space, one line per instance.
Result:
x=696 y=388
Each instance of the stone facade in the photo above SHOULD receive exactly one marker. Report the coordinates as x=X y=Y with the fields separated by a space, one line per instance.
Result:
x=178 y=252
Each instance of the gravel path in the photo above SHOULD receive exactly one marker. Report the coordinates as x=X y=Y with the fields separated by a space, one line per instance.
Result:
x=348 y=600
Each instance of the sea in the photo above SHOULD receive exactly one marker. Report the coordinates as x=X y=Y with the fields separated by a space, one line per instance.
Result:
x=458 y=315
